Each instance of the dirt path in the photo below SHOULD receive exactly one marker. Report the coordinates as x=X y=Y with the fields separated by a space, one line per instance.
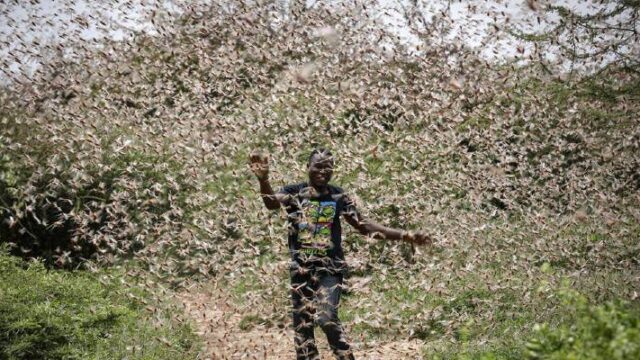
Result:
x=218 y=322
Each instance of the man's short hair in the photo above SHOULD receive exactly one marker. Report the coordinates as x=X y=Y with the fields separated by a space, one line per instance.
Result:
x=319 y=151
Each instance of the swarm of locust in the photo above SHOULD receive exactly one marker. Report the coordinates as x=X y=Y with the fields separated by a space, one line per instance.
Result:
x=138 y=149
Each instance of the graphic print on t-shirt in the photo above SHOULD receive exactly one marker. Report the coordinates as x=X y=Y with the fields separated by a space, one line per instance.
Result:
x=315 y=227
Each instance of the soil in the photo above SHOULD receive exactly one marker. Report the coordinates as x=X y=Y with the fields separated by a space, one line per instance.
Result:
x=218 y=320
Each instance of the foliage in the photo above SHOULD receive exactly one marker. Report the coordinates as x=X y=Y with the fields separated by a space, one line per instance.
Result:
x=608 y=331
x=604 y=34
x=579 y=330
x=48 y=314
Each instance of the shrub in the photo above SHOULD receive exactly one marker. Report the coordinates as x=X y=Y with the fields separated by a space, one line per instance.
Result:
x=606 y=331
x=66 y=205
x=75 y=315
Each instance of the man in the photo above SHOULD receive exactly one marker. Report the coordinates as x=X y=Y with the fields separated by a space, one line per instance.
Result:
x=315 y=244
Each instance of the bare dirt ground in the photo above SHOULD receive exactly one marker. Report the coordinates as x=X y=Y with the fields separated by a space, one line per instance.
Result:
x=218 y=319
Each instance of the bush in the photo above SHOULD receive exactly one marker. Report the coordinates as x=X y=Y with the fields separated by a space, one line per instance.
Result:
x=607 y=331
x=75 y=315
x=579 y=330
x=66 y=207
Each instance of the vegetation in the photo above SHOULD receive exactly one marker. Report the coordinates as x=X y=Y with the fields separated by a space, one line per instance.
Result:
x=49 y=314
x=608 y=331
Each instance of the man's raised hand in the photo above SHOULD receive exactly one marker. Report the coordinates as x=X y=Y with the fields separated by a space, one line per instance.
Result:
x=259 y=163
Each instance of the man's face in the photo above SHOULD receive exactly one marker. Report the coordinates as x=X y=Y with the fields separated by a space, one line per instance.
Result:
x=320 y=169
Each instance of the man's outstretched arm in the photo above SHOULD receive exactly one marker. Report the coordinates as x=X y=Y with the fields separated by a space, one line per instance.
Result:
x=369 y=227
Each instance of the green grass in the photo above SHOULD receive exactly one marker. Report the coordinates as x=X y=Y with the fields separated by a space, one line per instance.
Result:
x=246 y=283
x=588 y=331
x=47 y=314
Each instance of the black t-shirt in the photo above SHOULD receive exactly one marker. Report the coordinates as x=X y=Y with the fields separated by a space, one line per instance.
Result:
x=315 y=234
